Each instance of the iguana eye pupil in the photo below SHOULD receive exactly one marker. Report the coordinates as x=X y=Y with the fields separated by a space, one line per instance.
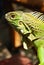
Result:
x=13 y=16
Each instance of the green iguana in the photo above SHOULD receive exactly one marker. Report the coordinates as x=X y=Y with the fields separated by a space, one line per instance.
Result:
x=31 y=25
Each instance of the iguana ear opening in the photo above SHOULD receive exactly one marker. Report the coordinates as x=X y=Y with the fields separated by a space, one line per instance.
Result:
x=20 y=22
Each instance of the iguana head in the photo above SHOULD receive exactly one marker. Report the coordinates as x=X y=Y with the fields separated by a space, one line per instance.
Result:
x=16 y=18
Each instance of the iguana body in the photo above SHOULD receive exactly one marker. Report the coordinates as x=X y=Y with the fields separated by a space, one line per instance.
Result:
x=31 y=25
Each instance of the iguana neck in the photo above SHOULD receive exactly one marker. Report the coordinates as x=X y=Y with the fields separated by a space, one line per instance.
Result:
x=33 y=24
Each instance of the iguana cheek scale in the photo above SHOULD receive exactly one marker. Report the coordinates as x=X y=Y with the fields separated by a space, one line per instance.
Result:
x=32 y=27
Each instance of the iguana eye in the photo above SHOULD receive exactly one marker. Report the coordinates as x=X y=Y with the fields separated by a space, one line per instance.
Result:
x=13 y=16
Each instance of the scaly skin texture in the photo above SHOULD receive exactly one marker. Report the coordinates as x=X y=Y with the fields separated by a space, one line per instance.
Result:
x=31 y=25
